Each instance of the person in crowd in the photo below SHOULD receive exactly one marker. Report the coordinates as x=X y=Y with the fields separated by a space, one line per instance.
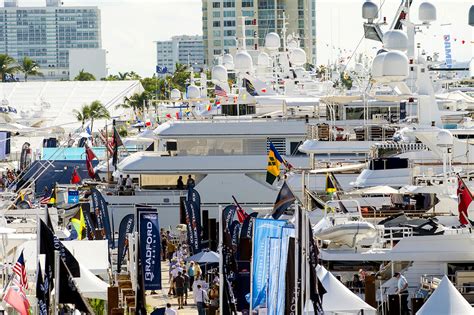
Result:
x=173 y=274
x=201 y=299
x=169 y=310
x=171 y=249
x=164 y=246
x=190 y=183
x=186 y=286
x=402 y=291
x=179 y=285
x=214 y=300
x=191 y=275
x=128 y=182
x=197 y=272
x=121 y=182
x=180 y=183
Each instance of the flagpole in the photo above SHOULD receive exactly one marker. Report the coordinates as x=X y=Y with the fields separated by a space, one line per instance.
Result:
x=221 y=262
x=56 y=284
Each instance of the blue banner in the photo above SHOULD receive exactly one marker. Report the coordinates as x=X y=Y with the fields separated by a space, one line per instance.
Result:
x=193 y=219
x=228 y=216
x=247 y=225
x=264 y=229
x=286 y=233
x=273 y=264
x=127 y=226
x=150 y=248
x=189 y=230
x=102 y=214
x=73 y=196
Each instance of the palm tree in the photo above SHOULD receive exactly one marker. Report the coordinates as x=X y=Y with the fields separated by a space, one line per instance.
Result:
x=29 y=67
x=7 y=66
x=97 y=111
x=137 y=102
x=84 y=76
x=83 y=115
x=123 y=76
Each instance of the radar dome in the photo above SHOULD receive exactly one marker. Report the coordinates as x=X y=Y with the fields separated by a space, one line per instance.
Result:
x=445 y=138
x=219 y=73
x=227 y=58
x=427 y=12
x=297 y=56
x=370 y=10
x=395 y=40
x=264 y=60
x=243 y=61
x=193 y=92
x=377 y=65
x=175 y=94
x=395 y=64
x=471 y=15
x=272 y=41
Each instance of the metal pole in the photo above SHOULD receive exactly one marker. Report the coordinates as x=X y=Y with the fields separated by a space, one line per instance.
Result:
x=109 y=179
x=57 y=257
x=221 y=262
x=297 y=256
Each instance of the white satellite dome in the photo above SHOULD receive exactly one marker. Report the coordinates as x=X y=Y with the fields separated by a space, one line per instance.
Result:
x=377 y=65
x=243 y=61
x=427 y=12
x=395 y=64
x=370 y=10
x=219 y=73
x=444 y=138
x=264 y=60
x=193 y=92
x=395 y=40
x=227 y=58
x=272 y=41
x=175 y=94
x=297 y=56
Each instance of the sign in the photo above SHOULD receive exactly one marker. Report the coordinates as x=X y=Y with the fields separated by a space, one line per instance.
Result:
x=102 y=214
x=264 y=230
x=150 y=247
x=73 y=196
x=127 y=226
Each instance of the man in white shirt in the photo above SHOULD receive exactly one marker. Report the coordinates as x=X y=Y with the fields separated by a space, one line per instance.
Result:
x=200 y=296
x=402 y=290
x=169 y=310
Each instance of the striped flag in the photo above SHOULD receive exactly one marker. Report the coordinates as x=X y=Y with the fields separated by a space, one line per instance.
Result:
x=220 y=91
x=20 y=270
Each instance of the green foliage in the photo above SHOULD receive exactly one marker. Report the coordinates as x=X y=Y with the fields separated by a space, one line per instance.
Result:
x=96 y=110
x=7 y=66
x=82 y=115
x=84 y=76
x=28 y=67
x=98 y=306
x=346 y=80
x=123 y=132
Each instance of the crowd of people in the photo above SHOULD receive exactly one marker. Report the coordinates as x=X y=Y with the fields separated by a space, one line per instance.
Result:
x=187 y=276
x=8 y=177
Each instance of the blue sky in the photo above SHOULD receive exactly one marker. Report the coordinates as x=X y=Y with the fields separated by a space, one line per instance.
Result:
x=130 y=27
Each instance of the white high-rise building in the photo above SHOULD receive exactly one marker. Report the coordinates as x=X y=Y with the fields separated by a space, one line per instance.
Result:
x=184 y=49
x=47 y=33
x=222 y=23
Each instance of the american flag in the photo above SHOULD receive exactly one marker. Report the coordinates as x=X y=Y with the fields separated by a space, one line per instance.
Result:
x=220 y=91
x=20 y=270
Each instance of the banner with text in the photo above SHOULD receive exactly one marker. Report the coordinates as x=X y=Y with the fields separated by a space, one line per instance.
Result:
x=150 y=247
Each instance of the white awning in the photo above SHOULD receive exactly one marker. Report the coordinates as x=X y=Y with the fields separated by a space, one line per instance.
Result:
x=377 y=190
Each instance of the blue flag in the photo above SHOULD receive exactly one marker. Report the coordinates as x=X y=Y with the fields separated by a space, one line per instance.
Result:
x=150 y=247
x=127 y=226
x=102 y=214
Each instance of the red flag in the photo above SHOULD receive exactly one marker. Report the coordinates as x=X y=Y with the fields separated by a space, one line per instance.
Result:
x=16 y=297
x=464 y=200
x=241 y=214
x=168 y=115
x=75 y=179
x=89 y=157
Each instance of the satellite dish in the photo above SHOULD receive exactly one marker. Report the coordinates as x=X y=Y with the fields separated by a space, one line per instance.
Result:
x=427 y=12
x=370 y=11
x=272 y=41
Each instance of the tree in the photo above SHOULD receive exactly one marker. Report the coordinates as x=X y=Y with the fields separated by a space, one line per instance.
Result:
x=7 y=66
x=123 y=76
x=84 y=76
x=180 y=77
x=83 y=115
x=28 y=67
x=137 y=102
x=97 y=111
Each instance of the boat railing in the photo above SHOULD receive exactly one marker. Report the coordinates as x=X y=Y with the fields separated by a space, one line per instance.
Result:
x=391 y=235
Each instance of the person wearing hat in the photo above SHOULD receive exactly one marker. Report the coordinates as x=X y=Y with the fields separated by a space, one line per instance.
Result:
x=402 y=291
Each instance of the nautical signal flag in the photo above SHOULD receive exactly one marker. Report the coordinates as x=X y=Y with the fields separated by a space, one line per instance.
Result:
x=273 y=165
x=79 y=224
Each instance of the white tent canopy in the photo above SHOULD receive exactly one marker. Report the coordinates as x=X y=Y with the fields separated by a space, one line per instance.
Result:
x=446 y=300
x=338 y=298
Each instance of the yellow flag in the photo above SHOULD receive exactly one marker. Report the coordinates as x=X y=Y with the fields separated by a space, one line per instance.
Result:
x=273 y=167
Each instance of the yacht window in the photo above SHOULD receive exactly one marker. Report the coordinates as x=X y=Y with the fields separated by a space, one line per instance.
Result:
x=294 y=148
x=166 y=181
x=222 y=146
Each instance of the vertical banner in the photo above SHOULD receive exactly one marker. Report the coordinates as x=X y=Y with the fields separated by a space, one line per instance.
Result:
x=127 y=226
x=90 y=226
x=247 y=226
x=273 y=277
x=264 y=229
x=102 y=214
x=193 y=219
x=286 y=234
x=228 y=216
x=291 y=290
x=150 y=247
x=189 y=230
